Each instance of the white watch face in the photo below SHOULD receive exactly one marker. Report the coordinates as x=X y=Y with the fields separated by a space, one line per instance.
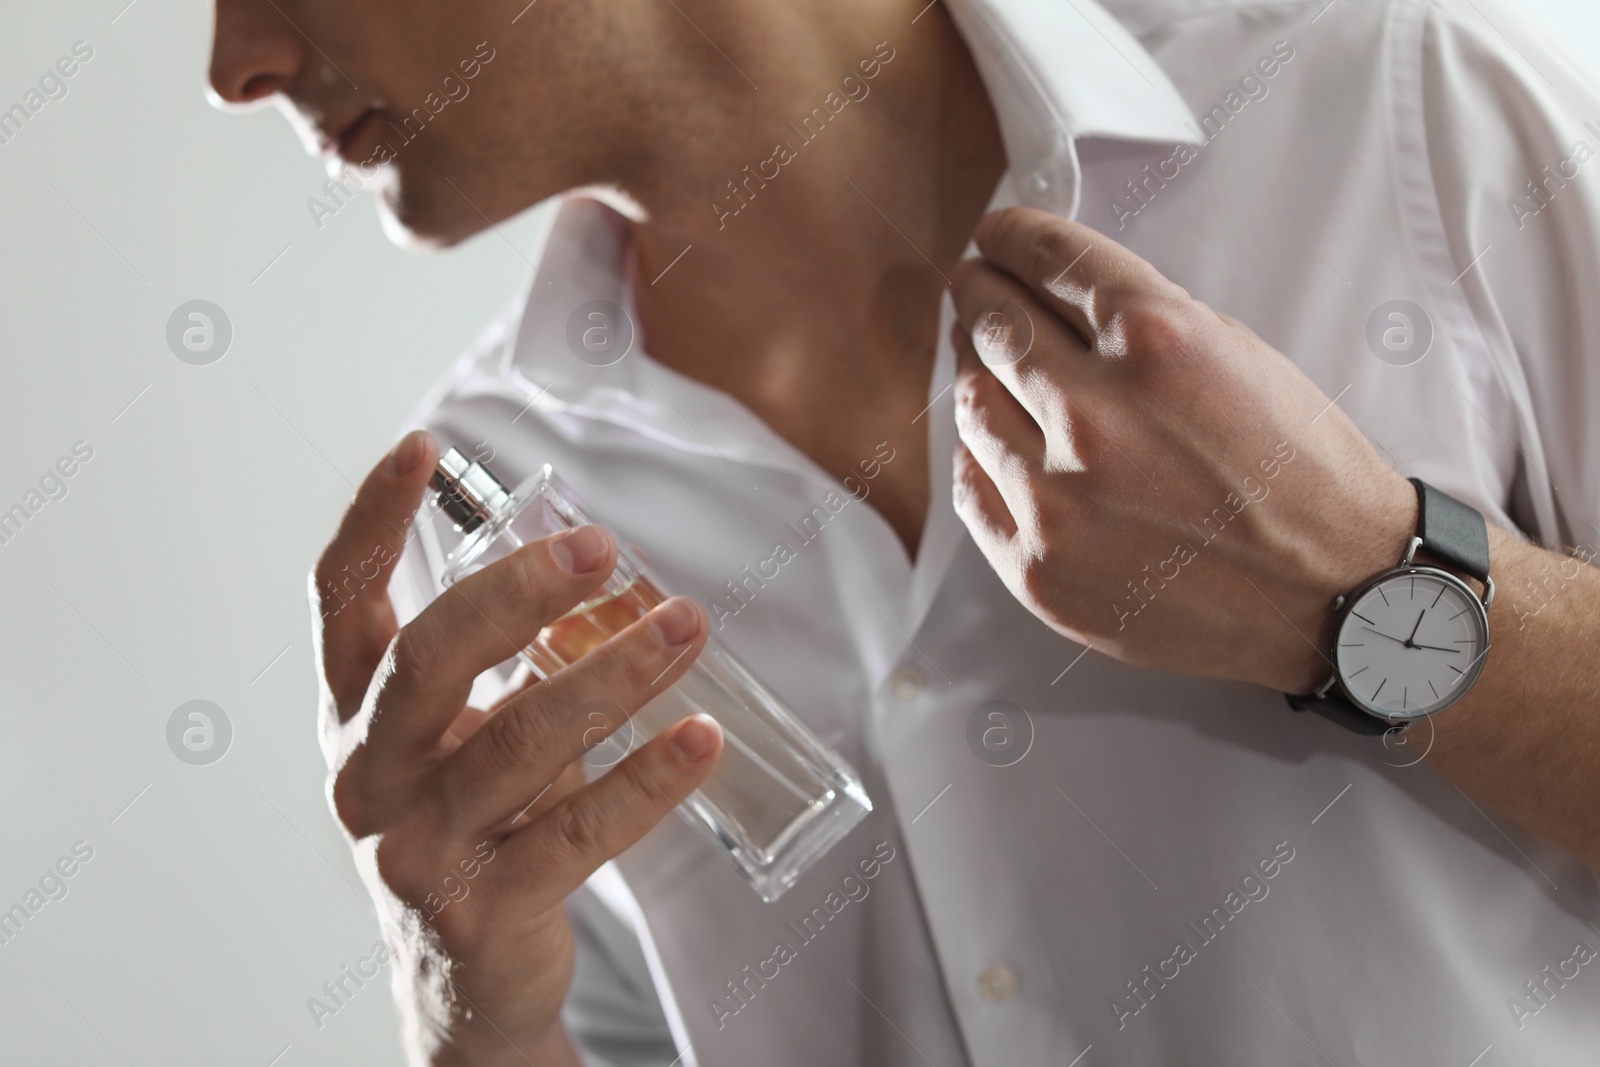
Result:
x=1411 y=643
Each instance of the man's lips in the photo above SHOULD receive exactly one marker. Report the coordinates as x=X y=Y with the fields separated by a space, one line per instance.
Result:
x=340 y=144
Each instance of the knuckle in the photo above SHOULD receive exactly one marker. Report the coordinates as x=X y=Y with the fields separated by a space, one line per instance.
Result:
x=970 y=493
x=579 y=828
x=522 y=579
x=1147 y=331
x=404 y=861
x=976 y=430
x=1048 y=250
x=1009 y=224
x=463 y=929
x=966 y=470
x=349 y=801
x=324 y=575
x=516 y=737
x=1067 y=452
x=1035 y=579
x=975 y=392
x=641 y=661
x=416 y=652
x=643 y=791
x=629 y=664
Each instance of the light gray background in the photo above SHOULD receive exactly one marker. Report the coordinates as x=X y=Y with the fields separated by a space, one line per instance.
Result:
x=222 y=898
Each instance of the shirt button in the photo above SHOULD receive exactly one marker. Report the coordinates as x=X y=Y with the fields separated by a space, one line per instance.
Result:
x=997 y=983
x=908 y=682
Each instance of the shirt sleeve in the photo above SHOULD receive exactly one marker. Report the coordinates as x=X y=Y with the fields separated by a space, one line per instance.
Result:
x=1511 y=124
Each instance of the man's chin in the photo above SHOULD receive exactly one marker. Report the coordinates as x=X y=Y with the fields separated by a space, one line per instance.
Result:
x=422 y=209
x=420 y=221
x=413 y=235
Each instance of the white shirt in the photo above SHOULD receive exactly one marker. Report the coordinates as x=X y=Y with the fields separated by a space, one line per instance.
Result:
x=1177 y=871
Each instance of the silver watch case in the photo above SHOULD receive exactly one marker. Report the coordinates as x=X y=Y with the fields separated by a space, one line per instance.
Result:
x=1345 y=604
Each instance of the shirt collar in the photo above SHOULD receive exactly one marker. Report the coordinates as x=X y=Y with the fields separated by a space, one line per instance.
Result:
x=1061 y=70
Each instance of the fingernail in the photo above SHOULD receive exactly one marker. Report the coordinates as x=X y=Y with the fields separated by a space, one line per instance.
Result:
x=583 y=550
x=695 y=738
x=405 y=456
x=675 y=622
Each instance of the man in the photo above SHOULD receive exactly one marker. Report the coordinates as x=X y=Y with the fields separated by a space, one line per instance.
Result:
x=1101 y=836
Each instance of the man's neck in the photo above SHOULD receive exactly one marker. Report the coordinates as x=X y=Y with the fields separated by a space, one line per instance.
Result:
x=796 y=260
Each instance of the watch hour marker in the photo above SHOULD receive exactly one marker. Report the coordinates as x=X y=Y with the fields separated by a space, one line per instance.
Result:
x=1453 y=667
x=1462 y=612
x=1385 y=596
x=1363 y=618
x=1354 y=673
x=1435 y=691
x=1439 y=597
x=1378 y=690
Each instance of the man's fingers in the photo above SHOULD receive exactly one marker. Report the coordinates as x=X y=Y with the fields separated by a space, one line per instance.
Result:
x=981 y=507
x=354 y=622
x=567 y=782
x=1083 y=276
x=548 y=859
x=525 y=745
x=1001 y=435
x=1020 y=340
x=987 y=406
x=483 y=620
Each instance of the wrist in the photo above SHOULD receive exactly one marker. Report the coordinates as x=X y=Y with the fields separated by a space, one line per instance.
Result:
x=480 y=1044
x=1354 y=545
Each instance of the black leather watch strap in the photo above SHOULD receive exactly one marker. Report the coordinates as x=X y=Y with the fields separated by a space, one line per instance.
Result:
x=1335 y=707
x=1452 y=531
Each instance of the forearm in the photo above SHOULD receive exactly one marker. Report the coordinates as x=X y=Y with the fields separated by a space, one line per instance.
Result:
x=1525 y=741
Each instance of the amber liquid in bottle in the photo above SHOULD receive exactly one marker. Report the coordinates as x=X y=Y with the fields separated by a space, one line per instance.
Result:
x=753 y=759
x=590 y=624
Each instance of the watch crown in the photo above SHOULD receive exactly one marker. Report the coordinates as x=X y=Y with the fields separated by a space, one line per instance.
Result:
x=1338 y=602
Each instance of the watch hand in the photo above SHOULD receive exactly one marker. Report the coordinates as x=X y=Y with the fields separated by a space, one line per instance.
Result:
x=1436 y=648
x=1380 y=633
x=1414 y=629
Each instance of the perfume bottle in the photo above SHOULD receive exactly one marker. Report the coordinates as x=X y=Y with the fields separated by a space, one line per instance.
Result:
x=778 y=798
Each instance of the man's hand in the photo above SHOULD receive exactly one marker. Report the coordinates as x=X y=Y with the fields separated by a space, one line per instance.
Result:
x=472 y=826
x=1149 y=477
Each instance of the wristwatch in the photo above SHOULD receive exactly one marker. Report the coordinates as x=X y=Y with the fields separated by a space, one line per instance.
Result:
x=1412 y=640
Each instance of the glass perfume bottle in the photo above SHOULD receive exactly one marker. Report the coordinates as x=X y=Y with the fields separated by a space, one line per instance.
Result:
x=778 y=798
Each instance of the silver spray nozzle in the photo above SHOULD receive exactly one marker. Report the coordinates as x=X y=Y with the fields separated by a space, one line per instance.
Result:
x=468 y=493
